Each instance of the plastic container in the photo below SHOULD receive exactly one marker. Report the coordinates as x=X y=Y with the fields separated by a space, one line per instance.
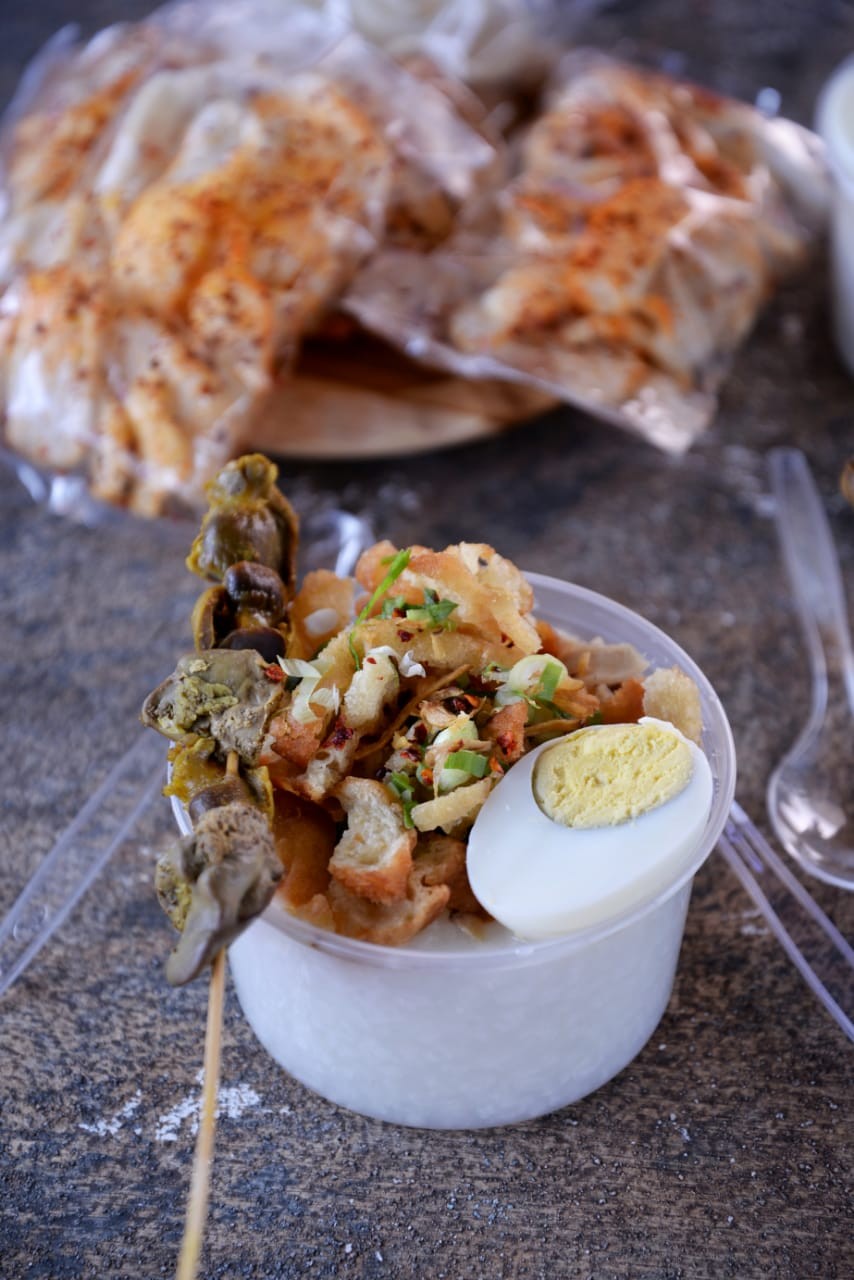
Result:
x=451 y=1032
x=835 y=124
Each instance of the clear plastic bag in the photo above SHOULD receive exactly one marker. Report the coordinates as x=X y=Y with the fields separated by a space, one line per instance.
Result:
x=185 y=199
x=644 y=225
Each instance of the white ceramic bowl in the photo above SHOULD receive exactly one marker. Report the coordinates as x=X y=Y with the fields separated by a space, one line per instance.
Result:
x=453 y=1033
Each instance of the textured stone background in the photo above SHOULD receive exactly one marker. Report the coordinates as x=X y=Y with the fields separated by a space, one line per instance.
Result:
x=724 y=1150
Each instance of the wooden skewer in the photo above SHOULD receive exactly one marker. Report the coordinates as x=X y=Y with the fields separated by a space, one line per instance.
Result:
x=197 y=1203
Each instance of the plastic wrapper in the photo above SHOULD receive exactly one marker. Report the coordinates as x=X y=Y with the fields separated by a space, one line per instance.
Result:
x=645 y=223
x=482 y=43
x=248 y=224
x=185 y=199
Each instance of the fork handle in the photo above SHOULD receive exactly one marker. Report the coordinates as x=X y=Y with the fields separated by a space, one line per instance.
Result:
x=787 y=942
x=812 y=564
x=102 y=825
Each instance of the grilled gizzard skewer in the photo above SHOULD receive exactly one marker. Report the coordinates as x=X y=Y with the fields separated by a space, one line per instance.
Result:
x=217 y=706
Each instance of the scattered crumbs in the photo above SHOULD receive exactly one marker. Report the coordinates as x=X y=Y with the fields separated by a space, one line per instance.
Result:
x=378 y=1256
x=727 y=619
x=169 y=1124
x=232 y=1102
x=661 y=1048
x=753 y=931
x=730 y=1220
x=686 y=1137
x=348 y=1248
x=104 y=1128
x=286 y=1110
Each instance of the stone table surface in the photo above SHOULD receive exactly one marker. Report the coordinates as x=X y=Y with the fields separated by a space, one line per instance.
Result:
x=724 y=1149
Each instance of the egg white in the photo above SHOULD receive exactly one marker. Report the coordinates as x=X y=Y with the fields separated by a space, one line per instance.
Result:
x=541 y=879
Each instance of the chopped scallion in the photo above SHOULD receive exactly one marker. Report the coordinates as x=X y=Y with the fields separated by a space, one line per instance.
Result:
x=468 y=762
x=549 y=681
x=396 y=565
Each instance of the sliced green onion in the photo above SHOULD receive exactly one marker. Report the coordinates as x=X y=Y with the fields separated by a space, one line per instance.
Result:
x=468 y=762
x=392 y=605
x=399 y=782
x=543 y=704
x=549 y=681
x=463 y=727
x=436 y=612
x=396 y=565
x=401 y=785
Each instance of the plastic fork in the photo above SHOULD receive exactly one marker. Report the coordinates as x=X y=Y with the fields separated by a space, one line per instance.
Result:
x=765 y=877
x=105 y=821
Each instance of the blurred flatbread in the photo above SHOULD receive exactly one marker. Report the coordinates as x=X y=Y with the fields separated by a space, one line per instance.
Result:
x=360 y=399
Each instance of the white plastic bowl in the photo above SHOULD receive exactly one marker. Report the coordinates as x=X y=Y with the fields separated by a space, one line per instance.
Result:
x=453 y=1033
x=835 y=124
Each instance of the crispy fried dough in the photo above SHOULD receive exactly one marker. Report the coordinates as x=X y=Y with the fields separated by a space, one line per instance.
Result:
x=670 y=694
x=373 y=858
x=389 y=924
x=453 y=812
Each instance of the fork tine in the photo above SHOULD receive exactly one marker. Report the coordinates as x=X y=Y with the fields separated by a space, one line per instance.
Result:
x=735 y=859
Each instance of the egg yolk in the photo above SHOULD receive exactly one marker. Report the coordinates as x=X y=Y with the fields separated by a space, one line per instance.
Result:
x=604 y=776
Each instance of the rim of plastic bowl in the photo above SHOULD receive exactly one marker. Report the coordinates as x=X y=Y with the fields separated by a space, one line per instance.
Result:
x=833 y=115
x=717 y=743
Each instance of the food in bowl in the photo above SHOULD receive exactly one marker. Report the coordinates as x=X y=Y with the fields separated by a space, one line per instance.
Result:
x=369 y=737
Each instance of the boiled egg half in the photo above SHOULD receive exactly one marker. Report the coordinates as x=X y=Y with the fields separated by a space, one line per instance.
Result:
x=584 y=829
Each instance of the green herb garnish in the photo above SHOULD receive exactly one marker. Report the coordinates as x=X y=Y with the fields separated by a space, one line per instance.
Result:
x=549 y=681
x=435 y=612
x=394 y=604
x=401 y=785
x=468 y=762
x=544 y=704
x=396 y=563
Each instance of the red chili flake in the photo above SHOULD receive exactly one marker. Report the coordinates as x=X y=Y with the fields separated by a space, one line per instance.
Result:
x=405 y=635
x=408 y=754
x=427 y=777
x=495 y=767
x=419 y=731
x=506 y=742
x=275 y=673
x=339 y=735
x=372 y=661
